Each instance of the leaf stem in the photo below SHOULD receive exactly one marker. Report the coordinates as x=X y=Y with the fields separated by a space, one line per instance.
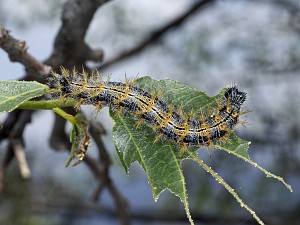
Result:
x=63 y=114
x=227 y=187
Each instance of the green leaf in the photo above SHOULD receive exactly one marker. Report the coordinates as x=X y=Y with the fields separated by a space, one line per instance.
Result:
x=14 y=93
x=160 y=159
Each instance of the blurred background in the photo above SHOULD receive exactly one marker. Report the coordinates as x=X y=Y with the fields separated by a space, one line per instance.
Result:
x=255 y=44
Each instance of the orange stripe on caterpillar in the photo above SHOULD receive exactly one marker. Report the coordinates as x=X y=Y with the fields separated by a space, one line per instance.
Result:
x=150 y=109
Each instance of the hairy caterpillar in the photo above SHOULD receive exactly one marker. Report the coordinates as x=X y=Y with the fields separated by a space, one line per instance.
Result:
x=167 y=122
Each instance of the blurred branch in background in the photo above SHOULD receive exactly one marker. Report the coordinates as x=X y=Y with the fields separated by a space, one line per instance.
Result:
x=157 y=34
x=69 y=47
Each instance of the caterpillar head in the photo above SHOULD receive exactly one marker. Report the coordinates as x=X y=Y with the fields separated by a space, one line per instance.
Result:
x=235 y=97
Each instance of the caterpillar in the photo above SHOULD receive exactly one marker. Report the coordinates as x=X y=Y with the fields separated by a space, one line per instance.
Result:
x=149 y=108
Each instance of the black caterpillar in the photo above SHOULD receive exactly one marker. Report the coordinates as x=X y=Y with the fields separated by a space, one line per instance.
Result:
x=149 y=108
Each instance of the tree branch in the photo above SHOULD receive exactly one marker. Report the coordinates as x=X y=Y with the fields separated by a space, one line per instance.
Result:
x=69 y=47
x=17 y=52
